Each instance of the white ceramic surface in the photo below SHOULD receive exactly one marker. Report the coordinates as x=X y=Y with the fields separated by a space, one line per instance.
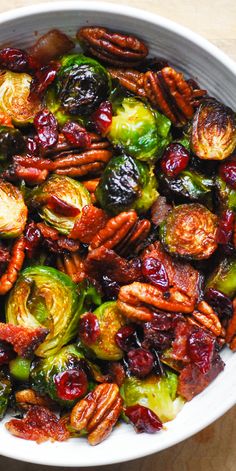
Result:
x=215 y=71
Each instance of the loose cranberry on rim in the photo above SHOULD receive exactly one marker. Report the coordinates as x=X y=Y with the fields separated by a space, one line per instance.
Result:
x=174 y=160
x=143 y=419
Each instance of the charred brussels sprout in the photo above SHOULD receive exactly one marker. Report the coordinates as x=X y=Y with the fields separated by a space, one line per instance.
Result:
x=139 y=130
x=52 y=375
x=60 y=200
x=156 y=393
x=15 y=98
x=126 y=183
x=82 y=84
x=226 y=196
x=224 y=277
x=45 y=297
x=109 y=322
x=190 y=232
x=188 y=185
x=5 y=391
x=11 y=141
x=213 y=131
x=13 y=211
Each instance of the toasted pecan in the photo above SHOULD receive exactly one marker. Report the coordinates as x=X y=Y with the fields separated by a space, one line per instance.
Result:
x=207 y=317
x=8 y=279
x=72 y=265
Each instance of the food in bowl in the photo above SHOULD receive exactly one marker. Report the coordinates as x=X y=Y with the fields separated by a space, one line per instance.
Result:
x=117 y=236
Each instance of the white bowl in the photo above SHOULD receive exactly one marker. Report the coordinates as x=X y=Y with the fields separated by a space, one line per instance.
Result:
x=216 y=72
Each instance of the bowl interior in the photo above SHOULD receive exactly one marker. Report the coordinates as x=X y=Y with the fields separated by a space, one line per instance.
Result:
x=214 y=71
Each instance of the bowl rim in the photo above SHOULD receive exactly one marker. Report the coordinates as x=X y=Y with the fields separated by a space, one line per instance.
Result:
x=230 y=64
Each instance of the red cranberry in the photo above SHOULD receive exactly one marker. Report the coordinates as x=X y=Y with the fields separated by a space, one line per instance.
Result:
x=143 y=419
x=76 y=134
x=102 y=117
x=225 y=227
x=32 y=145
x=14 y=59
x=71 y=384
x=6 y=353
x=46 y=126
x=221 y=303
x=154 y=271
x=126 y=338
x=174 y=160
x=140 y=362
x=62 y=207
x=33 y=237
x=89 y=329
x=201 y=349
x=110 y=287
x=227 y=172
x=42 y=79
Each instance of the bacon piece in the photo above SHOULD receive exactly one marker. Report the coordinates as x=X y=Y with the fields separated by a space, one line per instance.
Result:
x=40 y=425
x=160 y=210
x=23 y=339
x=91 y=221
x=180 y=343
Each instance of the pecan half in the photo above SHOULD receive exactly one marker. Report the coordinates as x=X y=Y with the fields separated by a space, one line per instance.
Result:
x=171 y=94
x=112 y=47
x=8 y=279
x=72 y=265
x=206 y=317
x=28 y=397
x=98 y=412
x=130 y=79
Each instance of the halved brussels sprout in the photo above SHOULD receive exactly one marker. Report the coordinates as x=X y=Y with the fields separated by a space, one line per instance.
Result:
x=110 y=320
x=11 y=141
x=5 y=391
x=15 y=98
x=226 y=196
x=126 y=183
x=213 y=130
x=51 y=196
x=44 y=373
x=46 y=297
x=188 y=185
x=190 y=232
x=157 y=393
x=82 y=84
x=224 y=277
x=13 y=211
x=139 y=130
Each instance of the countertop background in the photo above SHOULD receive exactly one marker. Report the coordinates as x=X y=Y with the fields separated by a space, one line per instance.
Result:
x=213 y=448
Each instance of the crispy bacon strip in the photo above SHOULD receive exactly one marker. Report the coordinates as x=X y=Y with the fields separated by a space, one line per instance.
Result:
x=23 y=339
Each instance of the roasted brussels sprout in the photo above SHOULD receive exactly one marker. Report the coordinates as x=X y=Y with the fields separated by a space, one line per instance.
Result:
x=45 y=297
x=11 y=141
x=19 y=368
x=15 y=98
x=5 y=391
x=213 y=131
x=126 y=183
x=13 y=211
x=224 y=277
x=82 y=84
x=189 y=185
x=60 y=200
x=110 y=320
x=139 y=130
x=190 y=232
x=226 y=196
x=46 y=374
x=157 y=393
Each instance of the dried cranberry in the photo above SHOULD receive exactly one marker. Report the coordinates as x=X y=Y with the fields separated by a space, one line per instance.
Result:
x=221 y=303
x=143 y=419
x=174 y=160
x=200 y=346
x=126 y=338
x=154 y=271
x=76 y=135
x=42 y=79
x=227 y=172
x=33 y=237
x=102 y=117
x=140 y=362
x=71 y=384
x=14 y=59
x=89 y=329
x=46 y=126
x=6 y=353
x=225 y=227
x=32 y=145
x=110 y=287
x=62 y=207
